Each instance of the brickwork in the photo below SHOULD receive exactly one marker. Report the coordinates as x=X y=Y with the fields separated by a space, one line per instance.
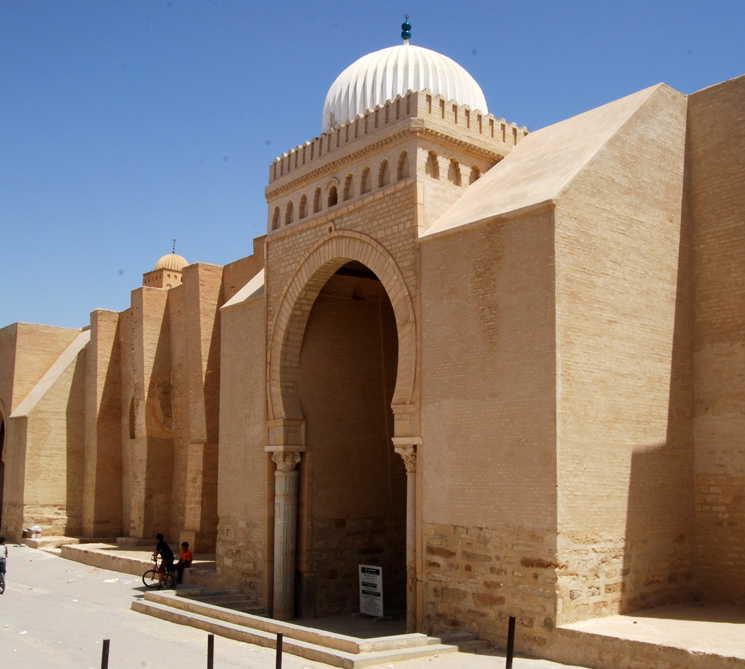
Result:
x=486 y=466
x=244 y=518
x=53 y=472
x=431 y=115
x=716 y=201
x=103 y=475
x=307 y=258
x=476 y=577
x=623 y=360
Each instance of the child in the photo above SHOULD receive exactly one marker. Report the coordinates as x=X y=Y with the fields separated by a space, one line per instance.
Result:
x=3 y=556
x=184 y=560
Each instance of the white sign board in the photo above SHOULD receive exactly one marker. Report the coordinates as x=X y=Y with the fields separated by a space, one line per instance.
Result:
x=371 y=590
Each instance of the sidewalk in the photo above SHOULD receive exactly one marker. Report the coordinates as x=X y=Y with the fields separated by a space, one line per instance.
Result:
x=55 y=613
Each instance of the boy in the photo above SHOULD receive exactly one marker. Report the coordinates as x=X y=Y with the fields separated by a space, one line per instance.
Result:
x=165 y=552
x=3 y=556
x=184 y=560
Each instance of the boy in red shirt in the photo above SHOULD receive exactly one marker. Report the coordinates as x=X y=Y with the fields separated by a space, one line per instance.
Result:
x=184 y=560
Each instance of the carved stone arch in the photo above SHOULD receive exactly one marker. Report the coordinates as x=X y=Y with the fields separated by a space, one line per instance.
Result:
x=321 y=262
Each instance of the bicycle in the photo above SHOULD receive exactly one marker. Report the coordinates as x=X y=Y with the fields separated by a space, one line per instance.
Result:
x=157 y=577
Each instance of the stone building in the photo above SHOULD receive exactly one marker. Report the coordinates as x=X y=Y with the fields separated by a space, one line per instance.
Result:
x=509 y=367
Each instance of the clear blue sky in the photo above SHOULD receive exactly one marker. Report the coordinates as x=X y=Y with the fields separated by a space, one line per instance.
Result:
x=126 y=123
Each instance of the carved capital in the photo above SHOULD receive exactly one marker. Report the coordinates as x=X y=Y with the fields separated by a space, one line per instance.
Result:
x=286 y=461
x=408 y=455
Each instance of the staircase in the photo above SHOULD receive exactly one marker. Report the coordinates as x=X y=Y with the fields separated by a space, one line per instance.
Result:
x=235 y=622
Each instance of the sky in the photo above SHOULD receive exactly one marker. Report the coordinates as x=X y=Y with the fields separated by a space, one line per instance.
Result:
x=125 y=124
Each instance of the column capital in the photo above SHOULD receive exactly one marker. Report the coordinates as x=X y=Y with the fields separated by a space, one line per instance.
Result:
x=286 y=461
x=406 y=447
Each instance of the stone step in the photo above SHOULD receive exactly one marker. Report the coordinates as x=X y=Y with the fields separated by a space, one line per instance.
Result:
x=292 y=645
x=314 y=635
x=467 y=642
x=49 y=542
x=223 y=597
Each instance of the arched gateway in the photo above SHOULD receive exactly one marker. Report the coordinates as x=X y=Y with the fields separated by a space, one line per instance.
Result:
x=287 y=423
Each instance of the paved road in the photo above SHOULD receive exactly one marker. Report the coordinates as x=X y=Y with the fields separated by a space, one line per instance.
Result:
x=55 y=612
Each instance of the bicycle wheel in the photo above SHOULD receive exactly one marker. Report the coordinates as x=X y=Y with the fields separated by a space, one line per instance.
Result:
x=151 y=579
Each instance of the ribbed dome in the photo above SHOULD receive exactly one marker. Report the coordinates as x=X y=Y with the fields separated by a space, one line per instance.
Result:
x=382 y=75
x=172 y=261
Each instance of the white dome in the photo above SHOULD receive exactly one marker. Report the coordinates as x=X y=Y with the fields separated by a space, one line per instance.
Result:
x=382 y=75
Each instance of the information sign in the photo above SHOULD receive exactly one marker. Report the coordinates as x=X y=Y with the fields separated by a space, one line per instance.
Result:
x=371 y=590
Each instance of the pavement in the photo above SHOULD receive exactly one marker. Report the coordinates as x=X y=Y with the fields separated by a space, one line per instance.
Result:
x=56 y=612
x=697 y=628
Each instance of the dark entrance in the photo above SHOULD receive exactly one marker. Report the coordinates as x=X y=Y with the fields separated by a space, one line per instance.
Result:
x=352 y=506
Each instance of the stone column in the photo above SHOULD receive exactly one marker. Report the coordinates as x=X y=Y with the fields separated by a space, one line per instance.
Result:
x=285 y=532
x=406 y=448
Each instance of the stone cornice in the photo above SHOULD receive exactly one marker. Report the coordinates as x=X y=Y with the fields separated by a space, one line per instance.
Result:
x=410 y=132
x=329 y=216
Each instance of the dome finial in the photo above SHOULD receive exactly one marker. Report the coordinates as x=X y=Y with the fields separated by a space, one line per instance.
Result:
x=173 y=247
x=406 y=29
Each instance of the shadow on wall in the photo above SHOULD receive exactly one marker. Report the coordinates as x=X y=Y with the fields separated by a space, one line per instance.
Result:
x=658 y=549
x=74 y=450
x=208 y=521
x=159 y=438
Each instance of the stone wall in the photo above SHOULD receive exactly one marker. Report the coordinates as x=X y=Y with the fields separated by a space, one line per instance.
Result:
x=624 y=448
x=486 y=466
x=245 y=484
x=55 y=438
x=476 y=577
x=102 y=496
x=716 y=202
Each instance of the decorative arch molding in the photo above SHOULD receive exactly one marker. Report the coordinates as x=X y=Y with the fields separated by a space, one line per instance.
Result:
x=321 y=262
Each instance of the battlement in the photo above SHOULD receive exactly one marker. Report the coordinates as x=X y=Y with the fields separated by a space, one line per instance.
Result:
x=484 y=130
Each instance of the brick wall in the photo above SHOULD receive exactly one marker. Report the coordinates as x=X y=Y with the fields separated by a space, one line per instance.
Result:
x=244 y=502
x=624 y=385
x=716 y=206
x=486 y=467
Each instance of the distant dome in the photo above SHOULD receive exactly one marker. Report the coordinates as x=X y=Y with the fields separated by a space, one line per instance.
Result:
x=382 y=75
x=172 y=261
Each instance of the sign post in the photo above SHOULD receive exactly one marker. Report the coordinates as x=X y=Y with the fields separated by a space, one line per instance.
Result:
x=371 y=590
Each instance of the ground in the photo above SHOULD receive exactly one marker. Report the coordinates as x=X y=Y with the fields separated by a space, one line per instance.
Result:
x=55 y=613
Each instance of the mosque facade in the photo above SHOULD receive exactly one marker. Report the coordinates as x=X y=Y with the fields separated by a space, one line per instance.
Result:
x=507 y=367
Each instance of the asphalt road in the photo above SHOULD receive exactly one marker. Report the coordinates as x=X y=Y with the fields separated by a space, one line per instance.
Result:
x=55 y=613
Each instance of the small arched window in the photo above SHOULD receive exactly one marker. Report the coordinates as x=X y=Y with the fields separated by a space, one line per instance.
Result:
x=454 y=173
x=403 y=166
x=317 y=201
x=289 y=213
x=348 y=194
x=432 y=168
x=333 y=197
x=475 y=174
x=275 y=218
x=383 y=174
x=303 y=209
x=365 y=181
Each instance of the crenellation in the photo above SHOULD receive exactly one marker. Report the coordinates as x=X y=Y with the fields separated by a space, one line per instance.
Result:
x=415 y=105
